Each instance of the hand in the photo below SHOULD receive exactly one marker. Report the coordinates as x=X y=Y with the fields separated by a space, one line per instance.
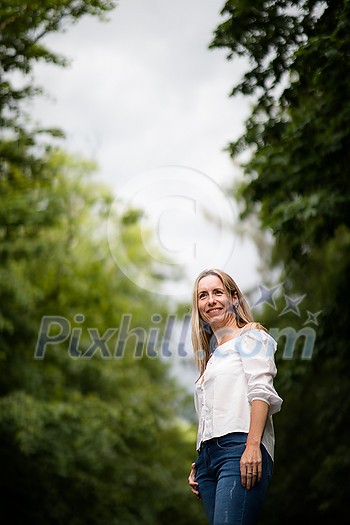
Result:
x=251 y=466
x=192 y=481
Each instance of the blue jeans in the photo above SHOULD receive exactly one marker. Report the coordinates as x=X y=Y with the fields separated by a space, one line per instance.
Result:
x=218 y=476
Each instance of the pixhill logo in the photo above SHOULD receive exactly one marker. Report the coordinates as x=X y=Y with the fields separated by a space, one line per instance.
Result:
x=167 y=337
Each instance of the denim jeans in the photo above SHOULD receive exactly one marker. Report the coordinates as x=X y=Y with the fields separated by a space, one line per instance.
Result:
x=225 y=501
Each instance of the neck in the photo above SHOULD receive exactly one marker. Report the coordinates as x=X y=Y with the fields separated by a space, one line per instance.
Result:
x=225 y=333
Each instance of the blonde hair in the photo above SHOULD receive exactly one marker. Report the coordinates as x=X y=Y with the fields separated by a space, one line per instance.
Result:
x=203 y=338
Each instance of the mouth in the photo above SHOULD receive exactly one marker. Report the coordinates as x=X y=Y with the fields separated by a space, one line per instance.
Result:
x=214 y=310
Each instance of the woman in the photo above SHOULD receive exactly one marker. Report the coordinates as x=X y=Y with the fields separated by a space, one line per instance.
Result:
x=235 y=399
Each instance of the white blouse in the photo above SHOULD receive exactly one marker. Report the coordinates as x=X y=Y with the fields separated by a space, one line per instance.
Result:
x=239 y=371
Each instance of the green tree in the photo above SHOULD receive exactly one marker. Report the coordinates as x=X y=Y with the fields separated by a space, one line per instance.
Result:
x=24 y=174
x=84 y=437
x=296 y=182
x=78 y=430
x=299 y=128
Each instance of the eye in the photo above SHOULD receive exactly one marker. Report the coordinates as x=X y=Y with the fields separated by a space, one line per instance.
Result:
x=201 y=295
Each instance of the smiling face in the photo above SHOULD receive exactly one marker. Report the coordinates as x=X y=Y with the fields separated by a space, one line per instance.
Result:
x=215 y=305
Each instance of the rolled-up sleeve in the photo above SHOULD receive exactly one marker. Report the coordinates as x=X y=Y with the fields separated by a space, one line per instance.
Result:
x=257 y=349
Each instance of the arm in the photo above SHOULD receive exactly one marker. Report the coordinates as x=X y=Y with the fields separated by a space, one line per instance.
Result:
x=257 y=353
x=251 y=460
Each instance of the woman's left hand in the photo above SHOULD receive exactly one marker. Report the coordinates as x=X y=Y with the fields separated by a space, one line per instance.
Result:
x=251 y=466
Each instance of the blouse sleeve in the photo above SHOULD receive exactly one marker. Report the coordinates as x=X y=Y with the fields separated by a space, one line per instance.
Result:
x=257 y=349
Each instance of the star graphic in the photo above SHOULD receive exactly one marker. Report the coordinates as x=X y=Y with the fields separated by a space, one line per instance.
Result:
x=312 y=317
x=292 y=304
x=266 y=295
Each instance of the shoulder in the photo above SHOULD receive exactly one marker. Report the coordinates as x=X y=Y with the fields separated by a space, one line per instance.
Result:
x=253 y=326
x=255 y=335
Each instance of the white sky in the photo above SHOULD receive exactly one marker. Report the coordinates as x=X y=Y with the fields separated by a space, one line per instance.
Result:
x=146 y=98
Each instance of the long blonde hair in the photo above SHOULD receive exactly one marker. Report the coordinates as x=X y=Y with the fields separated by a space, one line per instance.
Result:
x=203 y=338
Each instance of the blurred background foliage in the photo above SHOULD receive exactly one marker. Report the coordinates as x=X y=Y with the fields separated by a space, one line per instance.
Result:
x=110 y=440
x=99 y=441
x=295 y=154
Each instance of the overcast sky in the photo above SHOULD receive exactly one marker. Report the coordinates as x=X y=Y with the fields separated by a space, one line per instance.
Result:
x=146 y=98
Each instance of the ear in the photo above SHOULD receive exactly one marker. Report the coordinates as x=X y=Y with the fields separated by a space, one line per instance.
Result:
x=235 y=300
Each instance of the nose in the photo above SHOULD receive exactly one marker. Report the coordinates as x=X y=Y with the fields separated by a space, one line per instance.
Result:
x=211 y=299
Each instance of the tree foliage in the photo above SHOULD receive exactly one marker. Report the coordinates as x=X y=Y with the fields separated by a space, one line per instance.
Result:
x=299 y=128
x=296 y=181
x=85 y=437
x=23 y=25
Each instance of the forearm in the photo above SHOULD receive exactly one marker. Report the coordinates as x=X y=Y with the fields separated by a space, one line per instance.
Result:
x=258 y=416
